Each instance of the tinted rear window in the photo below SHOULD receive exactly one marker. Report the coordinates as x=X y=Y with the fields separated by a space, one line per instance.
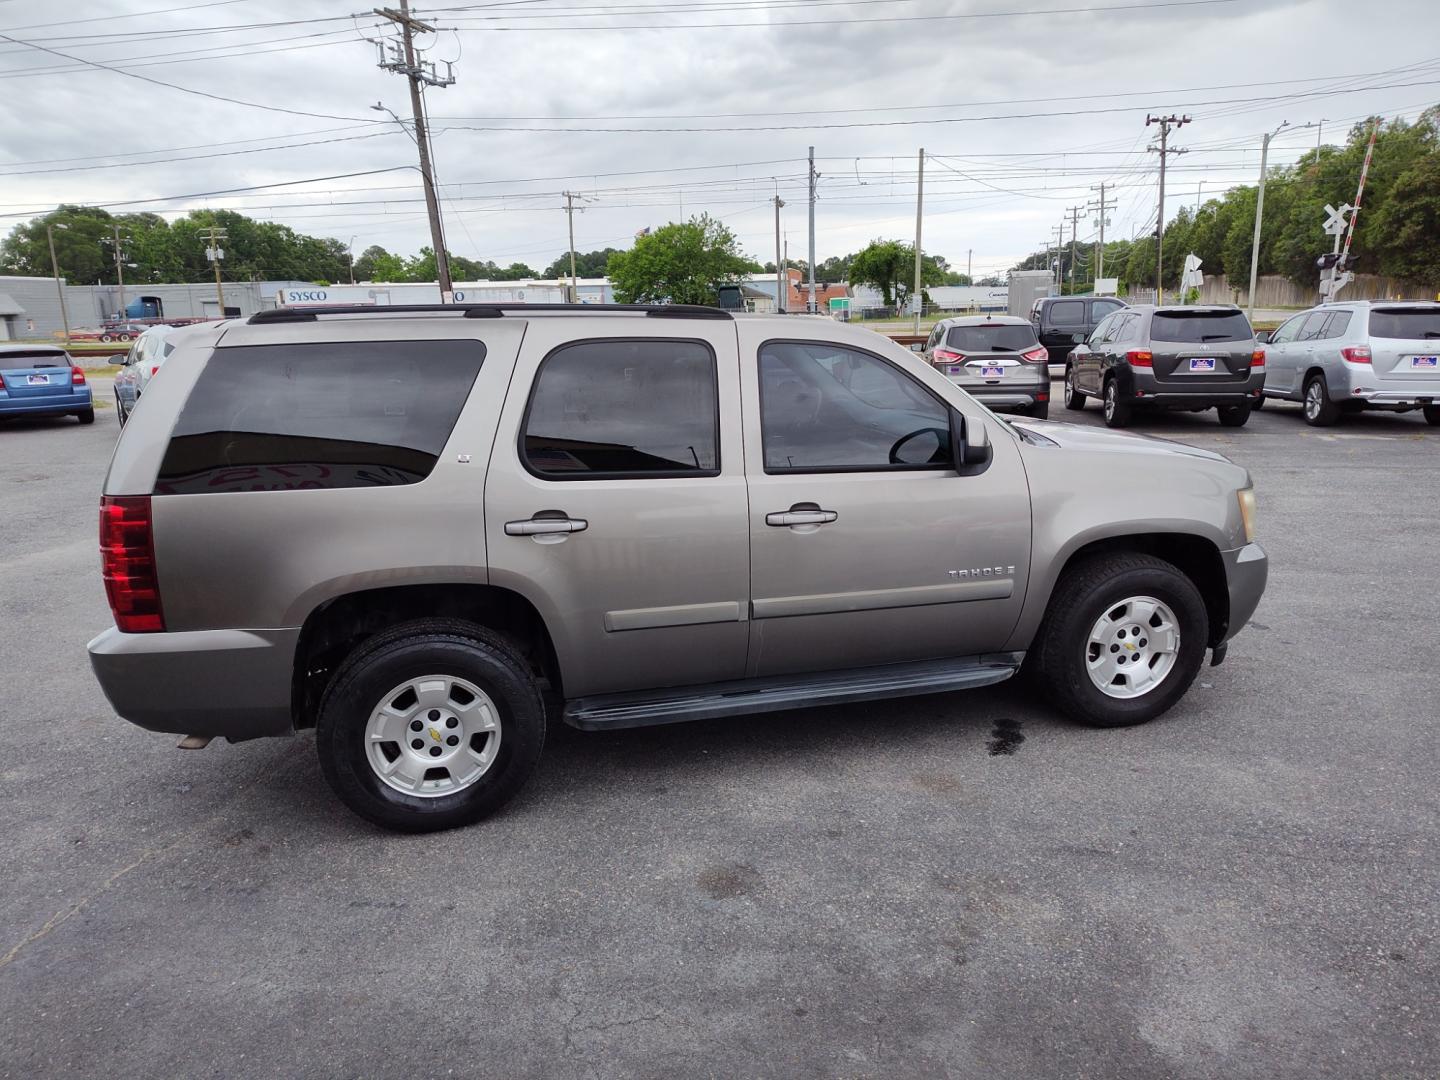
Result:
x=997 y=337
x=1413 y=324
x=327 y=415
x=1193 y=327
x=39 y=358
x=624 y=408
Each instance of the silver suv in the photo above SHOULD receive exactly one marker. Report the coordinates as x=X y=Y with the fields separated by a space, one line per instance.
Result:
x=996 y=358
x=424 y=532
x=1358 y=354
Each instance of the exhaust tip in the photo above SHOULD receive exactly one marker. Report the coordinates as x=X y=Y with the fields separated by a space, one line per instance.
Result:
x=195 y=742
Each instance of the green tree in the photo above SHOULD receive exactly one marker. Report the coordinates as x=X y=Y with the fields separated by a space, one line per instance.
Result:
x=587 y=264
x=889 y=267
x=1410 y=222
x=680 y=263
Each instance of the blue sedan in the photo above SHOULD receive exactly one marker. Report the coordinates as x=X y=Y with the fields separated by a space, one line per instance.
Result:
x=42 y=380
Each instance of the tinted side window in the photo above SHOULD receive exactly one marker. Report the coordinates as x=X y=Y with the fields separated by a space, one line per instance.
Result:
x=1105 y=331
x=1287 y=332
x=327 y=415
x=1100 y=308
x=828 y=407
x=1127 y=328
x=624 y=408
x=1337 y=325
x=1067 y=313
x=1314 y=326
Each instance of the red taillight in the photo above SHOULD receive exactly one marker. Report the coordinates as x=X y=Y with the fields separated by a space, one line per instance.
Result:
x=153 y=370
x=77 y=377
x=947 y=356
x=127 y=561
x=1356 y=354
x=1257 y=358
x=1140 y=358
x=1037 y=356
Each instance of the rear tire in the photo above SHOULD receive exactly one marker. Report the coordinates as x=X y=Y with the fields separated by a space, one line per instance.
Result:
x=1258 y=403
x=86 y=416
x=1320 y=411
x=1040 y=410
x=1117 y=412
x=1233 y=415
x=1432 y=415
x=420 y=649
x=1092 y=591
x=1074 y=398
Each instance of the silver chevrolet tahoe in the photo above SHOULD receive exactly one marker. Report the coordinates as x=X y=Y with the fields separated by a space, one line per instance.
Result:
x=424 y=532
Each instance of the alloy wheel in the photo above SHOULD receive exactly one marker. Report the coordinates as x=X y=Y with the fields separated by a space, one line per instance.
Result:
x=1132 y=647
x=433 y=735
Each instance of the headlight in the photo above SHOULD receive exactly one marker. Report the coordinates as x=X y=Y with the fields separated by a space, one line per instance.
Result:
x=1247 y=512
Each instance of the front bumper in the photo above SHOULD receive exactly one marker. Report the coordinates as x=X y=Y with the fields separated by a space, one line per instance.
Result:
x=1246 y=571
x=231 y=683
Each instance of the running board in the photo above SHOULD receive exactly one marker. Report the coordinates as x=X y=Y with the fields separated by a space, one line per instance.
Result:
x=604 y=712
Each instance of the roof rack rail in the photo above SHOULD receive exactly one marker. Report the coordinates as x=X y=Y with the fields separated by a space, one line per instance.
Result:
x=488 y=311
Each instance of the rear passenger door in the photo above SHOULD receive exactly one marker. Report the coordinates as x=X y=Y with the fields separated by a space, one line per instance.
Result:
x=615 y=501
x=1063 y=319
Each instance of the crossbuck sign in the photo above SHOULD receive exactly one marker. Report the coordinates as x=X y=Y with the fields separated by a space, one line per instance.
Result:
x=1335 y=221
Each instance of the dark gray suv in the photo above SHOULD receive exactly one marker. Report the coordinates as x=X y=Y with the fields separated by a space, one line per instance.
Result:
x=1149 y=357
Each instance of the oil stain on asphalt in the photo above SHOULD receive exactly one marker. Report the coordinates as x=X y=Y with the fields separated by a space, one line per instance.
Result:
x=1005 y=738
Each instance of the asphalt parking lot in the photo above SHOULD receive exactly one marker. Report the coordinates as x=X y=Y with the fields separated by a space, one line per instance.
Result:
x=959 y=885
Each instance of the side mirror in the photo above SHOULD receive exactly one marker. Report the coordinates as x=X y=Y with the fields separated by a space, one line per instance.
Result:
x=1264 y=336
x=1078 y=339
x=971 y=441
x=919 y=347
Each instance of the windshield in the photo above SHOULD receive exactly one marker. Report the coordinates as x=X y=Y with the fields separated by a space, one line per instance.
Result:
x=26 y=359
x=1411 y=324
x=991 y=337
x=1194 y=327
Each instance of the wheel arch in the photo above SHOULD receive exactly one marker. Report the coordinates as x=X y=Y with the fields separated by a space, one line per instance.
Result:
x=336 y=627
x=1195 y=556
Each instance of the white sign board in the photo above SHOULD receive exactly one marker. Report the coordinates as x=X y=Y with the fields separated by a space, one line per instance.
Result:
x=1107 y=286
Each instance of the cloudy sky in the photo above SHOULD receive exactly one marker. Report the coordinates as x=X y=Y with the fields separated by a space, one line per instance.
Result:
x=654 y=110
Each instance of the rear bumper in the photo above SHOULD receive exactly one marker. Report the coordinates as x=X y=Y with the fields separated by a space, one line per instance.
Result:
x=1012 y=393
x=1146 y=390
x=1407 y=398
x=1246 y=571
x=48 y=405
x=231 y=683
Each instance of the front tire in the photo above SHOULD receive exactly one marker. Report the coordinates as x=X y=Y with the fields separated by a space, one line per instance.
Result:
x=1123 y=639
x=1233 y=415
x=481 y=726
x=1074 y=397
x=1117 y=412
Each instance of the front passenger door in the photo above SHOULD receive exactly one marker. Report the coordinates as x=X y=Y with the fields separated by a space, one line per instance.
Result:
x=866 y=545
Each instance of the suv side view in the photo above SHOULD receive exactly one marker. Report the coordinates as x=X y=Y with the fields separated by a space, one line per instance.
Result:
x=1358 y=355
x=428 y=532
x=1148 y=357
x=1057 y=319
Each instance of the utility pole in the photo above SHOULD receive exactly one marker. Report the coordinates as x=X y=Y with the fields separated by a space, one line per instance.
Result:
x=55 y=269
x=402 y=61
x=970 y=264
x=916 y=296
x=570 y=216
x=1166 y=123
x=214 y=252
x=1104 y=207
x=1074 y=234
x=119 y=276
x=813 y=177
x=1259 y=213
x=780 y=281
x=1057 y=278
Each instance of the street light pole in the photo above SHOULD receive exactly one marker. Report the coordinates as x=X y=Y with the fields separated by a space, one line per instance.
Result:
x=1259 y=212
x=55 y=268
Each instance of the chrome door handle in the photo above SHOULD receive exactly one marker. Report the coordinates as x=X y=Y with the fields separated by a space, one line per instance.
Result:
x=801 y=514
x=545 y=526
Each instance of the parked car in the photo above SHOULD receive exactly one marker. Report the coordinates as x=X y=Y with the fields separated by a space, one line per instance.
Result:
x=1148 y=357
x=42 y=380
x=141 y=364
x=121 y=331
x=425 y=532
x=1357 y=354
x=995 y=358
x=1057 y=319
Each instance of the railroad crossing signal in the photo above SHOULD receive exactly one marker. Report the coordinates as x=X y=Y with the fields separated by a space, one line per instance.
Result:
x=1335 y=219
